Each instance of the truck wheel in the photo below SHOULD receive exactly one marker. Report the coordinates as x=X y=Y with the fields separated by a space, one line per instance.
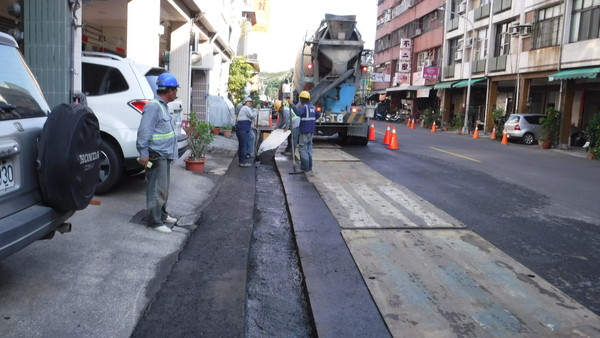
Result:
x=69 y=157
x=111 y=168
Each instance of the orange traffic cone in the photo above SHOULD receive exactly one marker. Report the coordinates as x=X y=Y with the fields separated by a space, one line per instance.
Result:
x=476 y=133
x=412 y=124
x=270 y=121
x=387 y=136
x=504 y=139
x=408 y=122
x=493 y=137
x=394 y=141
x=433 y=127
x=372 y=132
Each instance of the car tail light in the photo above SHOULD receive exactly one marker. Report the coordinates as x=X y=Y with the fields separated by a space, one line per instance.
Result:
x=319 y=108
x=355 y=110
x=517 y=127
x=138 y=104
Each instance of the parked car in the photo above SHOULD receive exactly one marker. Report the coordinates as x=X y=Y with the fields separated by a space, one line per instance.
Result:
x=117 y=89
x=48 y=160
x=524 y=127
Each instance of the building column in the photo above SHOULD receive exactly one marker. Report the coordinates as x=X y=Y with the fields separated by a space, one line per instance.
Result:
x=179 y=63
x=48 y=43
x=446 y=104
x=491 y=105
x=566 y=107
x=523 y=95
x=143 y=23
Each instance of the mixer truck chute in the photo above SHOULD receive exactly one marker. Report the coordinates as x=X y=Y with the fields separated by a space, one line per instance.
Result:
x=329 y=66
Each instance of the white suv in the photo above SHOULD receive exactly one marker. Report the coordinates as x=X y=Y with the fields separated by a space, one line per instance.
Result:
x=117 y=89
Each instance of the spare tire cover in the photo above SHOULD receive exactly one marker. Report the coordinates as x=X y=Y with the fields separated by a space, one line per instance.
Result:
x=69 y=157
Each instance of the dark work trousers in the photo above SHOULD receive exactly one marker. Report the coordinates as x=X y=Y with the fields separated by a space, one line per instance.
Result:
x=157 y=191
x=242 y=137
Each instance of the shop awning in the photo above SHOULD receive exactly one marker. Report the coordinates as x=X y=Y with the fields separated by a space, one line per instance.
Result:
x=444 y=85
x=402 y=88
x=465 y=83
x=582 y=73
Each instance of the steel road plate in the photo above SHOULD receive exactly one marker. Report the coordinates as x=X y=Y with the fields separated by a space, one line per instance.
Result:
x=360 y=197
x=453 y=283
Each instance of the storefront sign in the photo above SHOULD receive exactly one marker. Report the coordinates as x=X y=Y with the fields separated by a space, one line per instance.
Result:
x=380 y=77
x=431 y=73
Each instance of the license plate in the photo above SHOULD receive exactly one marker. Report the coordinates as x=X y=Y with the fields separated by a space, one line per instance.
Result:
x=7 y=174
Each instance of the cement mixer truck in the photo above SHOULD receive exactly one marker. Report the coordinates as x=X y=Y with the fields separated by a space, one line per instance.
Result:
x=331 y=67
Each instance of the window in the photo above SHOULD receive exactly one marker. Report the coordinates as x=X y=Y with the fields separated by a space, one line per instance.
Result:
x=452 y=50
x=547 y=27
x=422 y=59
x=480 y=44
x=585 y=22
x=100 y=80
x=502 y=46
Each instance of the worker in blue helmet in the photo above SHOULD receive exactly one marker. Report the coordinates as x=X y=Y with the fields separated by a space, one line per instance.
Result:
x=157 y=145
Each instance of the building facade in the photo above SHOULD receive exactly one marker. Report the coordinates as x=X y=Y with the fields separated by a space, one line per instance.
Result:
x=408 y=53
x=510 y=55
x=525 y=57
x=195 y=40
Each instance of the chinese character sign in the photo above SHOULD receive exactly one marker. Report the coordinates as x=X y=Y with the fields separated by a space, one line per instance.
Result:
x=263 y=8
x=430 y=73
x=404 y=61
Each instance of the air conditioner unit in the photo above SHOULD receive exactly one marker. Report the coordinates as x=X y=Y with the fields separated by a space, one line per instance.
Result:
x=513 y=30
x=462 y=7
x=526 y=30
x=418 y=31
x=459 y=44
x=458 y=56
x=469 y=43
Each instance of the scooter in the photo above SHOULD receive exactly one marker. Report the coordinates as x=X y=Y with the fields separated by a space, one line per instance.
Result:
x=394 y=117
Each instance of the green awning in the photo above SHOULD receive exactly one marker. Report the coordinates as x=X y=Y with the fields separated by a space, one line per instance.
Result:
x=444 y=85
x=464 y=83
x=583 y=73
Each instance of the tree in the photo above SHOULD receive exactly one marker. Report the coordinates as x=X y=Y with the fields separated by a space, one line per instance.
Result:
x=240 y=73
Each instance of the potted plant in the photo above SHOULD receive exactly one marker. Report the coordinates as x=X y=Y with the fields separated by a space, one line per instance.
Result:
x=216 y=130
x=550 y=125
x=227 y=128
x=593 y=130
x=200 y=136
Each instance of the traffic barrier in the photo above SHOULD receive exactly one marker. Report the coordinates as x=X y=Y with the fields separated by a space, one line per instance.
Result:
x=433 y=127
x=412 y=124
x=476 y=132
x=504 y=139
x=372 y=136
x=387 y=136
x=493 y=137
x=394 y=140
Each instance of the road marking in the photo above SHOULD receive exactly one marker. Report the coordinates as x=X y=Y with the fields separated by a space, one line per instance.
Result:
x=360 y=197
x=461 y=156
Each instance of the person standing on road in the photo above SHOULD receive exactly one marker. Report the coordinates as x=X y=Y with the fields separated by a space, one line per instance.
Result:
x=243 y=129
x=157 y=145
x=308 y=114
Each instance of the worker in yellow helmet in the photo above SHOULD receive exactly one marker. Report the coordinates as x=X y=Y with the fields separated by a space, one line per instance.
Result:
x=308 y=115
